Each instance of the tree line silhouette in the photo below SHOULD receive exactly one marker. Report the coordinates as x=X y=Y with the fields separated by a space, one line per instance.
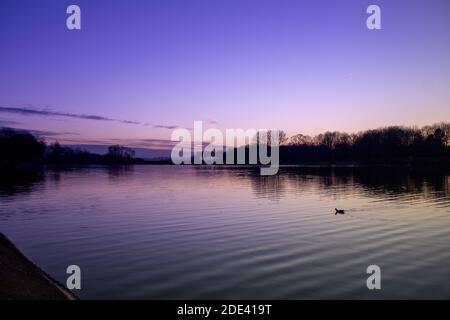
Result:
x=384 y=144
x=388 y=145
x=372 y=145
x=21 y=147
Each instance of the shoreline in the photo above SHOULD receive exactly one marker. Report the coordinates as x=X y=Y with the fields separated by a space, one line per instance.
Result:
x=21 y=279
x=413 y=162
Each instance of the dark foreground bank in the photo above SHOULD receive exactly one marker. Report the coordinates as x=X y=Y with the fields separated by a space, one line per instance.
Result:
x=21 y=279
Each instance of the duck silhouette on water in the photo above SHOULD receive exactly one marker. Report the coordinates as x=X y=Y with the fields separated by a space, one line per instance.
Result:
x=339 y=211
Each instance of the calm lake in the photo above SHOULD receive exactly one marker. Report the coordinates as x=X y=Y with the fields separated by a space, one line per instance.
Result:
x=167 y=232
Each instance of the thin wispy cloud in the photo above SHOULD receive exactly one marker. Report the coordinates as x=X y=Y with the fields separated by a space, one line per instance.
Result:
x=29 y=111
x=158 y=144
x=50 y=133
x=72 y=138
x=43 y=133
x=172 y=127
x=161 y=126
x=7 y=122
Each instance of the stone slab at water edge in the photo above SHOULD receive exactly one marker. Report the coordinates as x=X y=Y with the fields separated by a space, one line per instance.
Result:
x=22 y=279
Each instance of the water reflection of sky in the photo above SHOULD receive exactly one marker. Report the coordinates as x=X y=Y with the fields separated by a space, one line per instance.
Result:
x=196 y=232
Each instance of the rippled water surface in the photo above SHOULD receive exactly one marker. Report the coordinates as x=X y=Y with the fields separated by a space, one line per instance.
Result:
x=198 y=232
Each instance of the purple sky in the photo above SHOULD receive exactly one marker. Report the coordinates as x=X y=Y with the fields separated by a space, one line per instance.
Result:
x=301 y=66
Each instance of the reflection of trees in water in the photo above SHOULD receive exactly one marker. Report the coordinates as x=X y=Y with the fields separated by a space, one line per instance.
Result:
x=264 y=186
x=404 y=181
x=394 y=182
x=380 y=182
x=26 y=180
x=20 y=181
x=272 y=187
x=118 y=172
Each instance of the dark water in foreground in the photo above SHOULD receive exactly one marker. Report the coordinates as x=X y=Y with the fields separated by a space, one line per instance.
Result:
x=196 y=232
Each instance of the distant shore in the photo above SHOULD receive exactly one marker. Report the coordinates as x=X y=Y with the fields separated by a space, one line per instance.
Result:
x=21 y=279
x=429 y=145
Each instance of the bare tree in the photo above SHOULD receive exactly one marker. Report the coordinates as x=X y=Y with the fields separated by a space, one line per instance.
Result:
x=300 y=139
x=118 y=151
x=282 y=137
